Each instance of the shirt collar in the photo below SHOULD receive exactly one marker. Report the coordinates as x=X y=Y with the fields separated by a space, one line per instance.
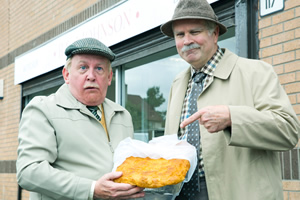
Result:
x=99 y=107
x=211 y=65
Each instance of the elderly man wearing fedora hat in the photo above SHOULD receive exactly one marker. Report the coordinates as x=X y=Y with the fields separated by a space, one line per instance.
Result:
x=67 y=140
x=232 y=109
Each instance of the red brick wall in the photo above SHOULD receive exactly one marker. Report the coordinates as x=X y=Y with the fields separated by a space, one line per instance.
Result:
x=30 y=19
x=4 y=28
x=9 y=114
x=8 y=187
x=279 y=35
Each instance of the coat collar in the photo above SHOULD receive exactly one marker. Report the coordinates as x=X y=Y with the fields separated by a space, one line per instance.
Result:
x=65 y=99
x=222 y=71
x=226 y=65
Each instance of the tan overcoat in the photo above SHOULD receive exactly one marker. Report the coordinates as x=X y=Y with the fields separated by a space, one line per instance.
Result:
x=63 y=148
x=242 y=162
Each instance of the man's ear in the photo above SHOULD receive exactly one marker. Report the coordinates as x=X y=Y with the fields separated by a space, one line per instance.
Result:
x=66 y=73
x=110 y=76
x=216 y=32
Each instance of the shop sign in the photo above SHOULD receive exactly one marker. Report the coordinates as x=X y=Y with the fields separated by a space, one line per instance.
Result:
x=116 y=24
x=268 y=7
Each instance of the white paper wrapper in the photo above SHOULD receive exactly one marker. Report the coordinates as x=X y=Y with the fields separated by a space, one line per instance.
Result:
x=167 y=147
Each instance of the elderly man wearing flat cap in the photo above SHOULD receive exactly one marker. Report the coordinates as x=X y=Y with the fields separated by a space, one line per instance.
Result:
x=232 y=109
x=67 y=140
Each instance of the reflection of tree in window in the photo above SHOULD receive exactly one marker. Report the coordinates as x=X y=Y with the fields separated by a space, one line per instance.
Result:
x=145 y=117
x=154 y=97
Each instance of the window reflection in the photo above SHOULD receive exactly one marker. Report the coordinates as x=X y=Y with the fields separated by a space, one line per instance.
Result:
x=111 y=90
x=147 y=92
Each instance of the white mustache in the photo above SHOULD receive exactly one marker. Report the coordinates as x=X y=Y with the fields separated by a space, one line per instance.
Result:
x=189 y=47
x=90 y=85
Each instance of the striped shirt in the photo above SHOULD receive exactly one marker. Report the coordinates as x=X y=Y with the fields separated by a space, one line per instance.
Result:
x=208 y=70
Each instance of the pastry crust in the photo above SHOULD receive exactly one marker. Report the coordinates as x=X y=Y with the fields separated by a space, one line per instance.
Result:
x=152 y=173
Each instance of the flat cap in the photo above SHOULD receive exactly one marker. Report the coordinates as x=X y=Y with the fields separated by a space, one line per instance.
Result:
x=89 y=46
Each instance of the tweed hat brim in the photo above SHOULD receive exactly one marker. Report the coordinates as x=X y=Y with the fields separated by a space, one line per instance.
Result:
x=89 y=46
x=167 y=28
x=192 y=9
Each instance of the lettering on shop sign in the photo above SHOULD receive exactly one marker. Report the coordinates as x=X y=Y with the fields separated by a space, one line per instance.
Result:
x=112 y=25
x=268 y=7
x=119 y=23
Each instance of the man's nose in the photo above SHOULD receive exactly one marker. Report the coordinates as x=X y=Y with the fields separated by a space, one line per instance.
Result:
x=91 y=75
x=187 y=40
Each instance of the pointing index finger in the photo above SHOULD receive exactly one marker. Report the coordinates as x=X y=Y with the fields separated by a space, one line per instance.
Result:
x=192 y=118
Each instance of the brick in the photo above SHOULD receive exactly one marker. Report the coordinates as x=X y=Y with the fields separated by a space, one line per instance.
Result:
x=283 y=58
x=292 y=88
x=291 y=4
x=25 y=195
x=297 y=12
x=298 y=54
x=297 y=76
x=283 y=37
x=298 y=98
x=285 y=195
x=297 y=32
x=294 y=195
x=265 y=42
x=292 y=24
x=283 y=16
x=293 y=98
x=287 y=78
x=296 y=108
x=292 y=45
x=291 y=185
x=292 y=66
x=276 y=29
x=278 y=69
x=268 y=60
x=264 y=22
x=272 y=50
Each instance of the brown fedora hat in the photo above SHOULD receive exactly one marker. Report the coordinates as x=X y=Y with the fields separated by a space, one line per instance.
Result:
x=192 y=9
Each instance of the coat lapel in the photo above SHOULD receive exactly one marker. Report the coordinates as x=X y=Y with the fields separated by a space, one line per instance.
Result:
x=65 y=99
x=110 y=108
x=176 y=99
x=226 y=65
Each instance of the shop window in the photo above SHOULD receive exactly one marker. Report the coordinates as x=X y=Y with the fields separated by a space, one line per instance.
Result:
x=111 y=91
x=46 y=92
x=147 y=89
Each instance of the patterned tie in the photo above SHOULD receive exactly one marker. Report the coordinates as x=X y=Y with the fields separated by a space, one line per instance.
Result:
x=93 y=110
x=193 y=137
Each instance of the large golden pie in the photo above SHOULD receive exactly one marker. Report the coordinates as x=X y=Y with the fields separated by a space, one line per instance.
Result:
x=152 y=173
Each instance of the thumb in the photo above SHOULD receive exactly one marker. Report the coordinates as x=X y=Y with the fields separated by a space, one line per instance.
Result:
x=114 y=175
